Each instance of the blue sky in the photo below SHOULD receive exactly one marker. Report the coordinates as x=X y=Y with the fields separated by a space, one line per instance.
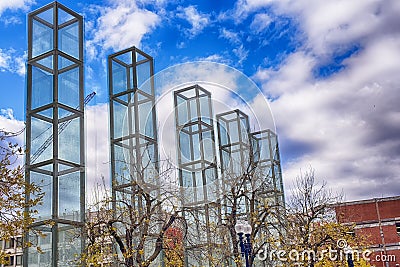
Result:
x=328 y=67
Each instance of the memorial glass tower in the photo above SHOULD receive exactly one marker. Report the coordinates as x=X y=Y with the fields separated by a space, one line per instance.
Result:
x=55 y=159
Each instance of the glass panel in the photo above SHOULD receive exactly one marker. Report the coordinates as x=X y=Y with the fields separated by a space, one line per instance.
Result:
x=64 y=62
x=42 y=87
x=68 y=40
x=225 y=159
x=223 y=133
x=196 y=147
x=143 y=74
x=149 y=164
x=139 y=57
x=47 y=15
x=122 y=166
x=69 y=141
x=35 y=258
x=205 y=109
x=182 y=110
x=208 y=146
x=63 y=16
x=244 y=129
x=47 y=62
x=193 y=109
x=45 y=182
x=41 y=142
x=126 y=58
x=120 y=119
x=233 y=132
x=42 y=38
x=210 y=175
x=69 y=245
x=187 y=180
x=119 y=78
x=184 y=144
x=146 y=119
x=264 y=147
x=68 y=88
x=69 y=196
x=199 y=186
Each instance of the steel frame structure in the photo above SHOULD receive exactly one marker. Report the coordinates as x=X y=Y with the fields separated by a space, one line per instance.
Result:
x=55 y=112
x=133 y=131
x=197 y=168
x=244 y=152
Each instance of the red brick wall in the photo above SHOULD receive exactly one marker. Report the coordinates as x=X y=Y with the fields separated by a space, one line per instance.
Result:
x=366 y=217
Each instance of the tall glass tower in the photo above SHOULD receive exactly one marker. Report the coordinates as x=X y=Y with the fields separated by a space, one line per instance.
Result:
x=197 y=166
x=55 y=160
x=133 y=133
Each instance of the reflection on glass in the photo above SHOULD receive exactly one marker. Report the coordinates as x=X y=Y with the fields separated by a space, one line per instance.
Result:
x=119 y=78
x=45 y=182
x=68 y=40
x=69 y=245
x=143 y=74
x=42 y=131
x=68 y=88
x=69 y=141
x=42 y=87
x=69 y=196
x=42 y=38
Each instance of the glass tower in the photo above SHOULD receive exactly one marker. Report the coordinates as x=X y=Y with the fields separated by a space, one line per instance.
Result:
x=133 y=133
x=235 y=155
x=134 y=151
x=197 y=166
x=55 y=134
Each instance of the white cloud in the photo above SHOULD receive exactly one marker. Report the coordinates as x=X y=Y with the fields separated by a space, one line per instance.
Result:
x=260 y=22
x=231 y=36
x=241 y=53
x=15 y=4
x=11 y=62
x=344 y=125
x=11 y=125
x=97 y=148
x=120 y=26
x=197 y=20
x=331 y=25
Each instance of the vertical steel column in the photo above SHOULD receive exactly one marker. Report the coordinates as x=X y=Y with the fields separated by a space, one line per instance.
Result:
x=197 y=169
x=55 y=134
x=133 y=131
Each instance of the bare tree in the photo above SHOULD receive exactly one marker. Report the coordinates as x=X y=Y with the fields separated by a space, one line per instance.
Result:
x=312 y=226
x=251 y=196
x=133 y=227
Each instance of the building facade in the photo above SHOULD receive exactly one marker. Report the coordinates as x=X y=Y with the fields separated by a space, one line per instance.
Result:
x=13 y=248
x=378 y=222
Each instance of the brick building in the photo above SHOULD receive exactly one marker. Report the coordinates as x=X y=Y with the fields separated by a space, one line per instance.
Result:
x=378 y=220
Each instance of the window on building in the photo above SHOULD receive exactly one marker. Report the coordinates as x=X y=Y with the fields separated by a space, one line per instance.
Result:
x=398 y=228
x=18 y=242
x=9 y=260
x=9 y=243
x=18 y=260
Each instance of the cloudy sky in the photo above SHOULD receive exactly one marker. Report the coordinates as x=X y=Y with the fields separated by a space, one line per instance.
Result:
x=329 y=69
